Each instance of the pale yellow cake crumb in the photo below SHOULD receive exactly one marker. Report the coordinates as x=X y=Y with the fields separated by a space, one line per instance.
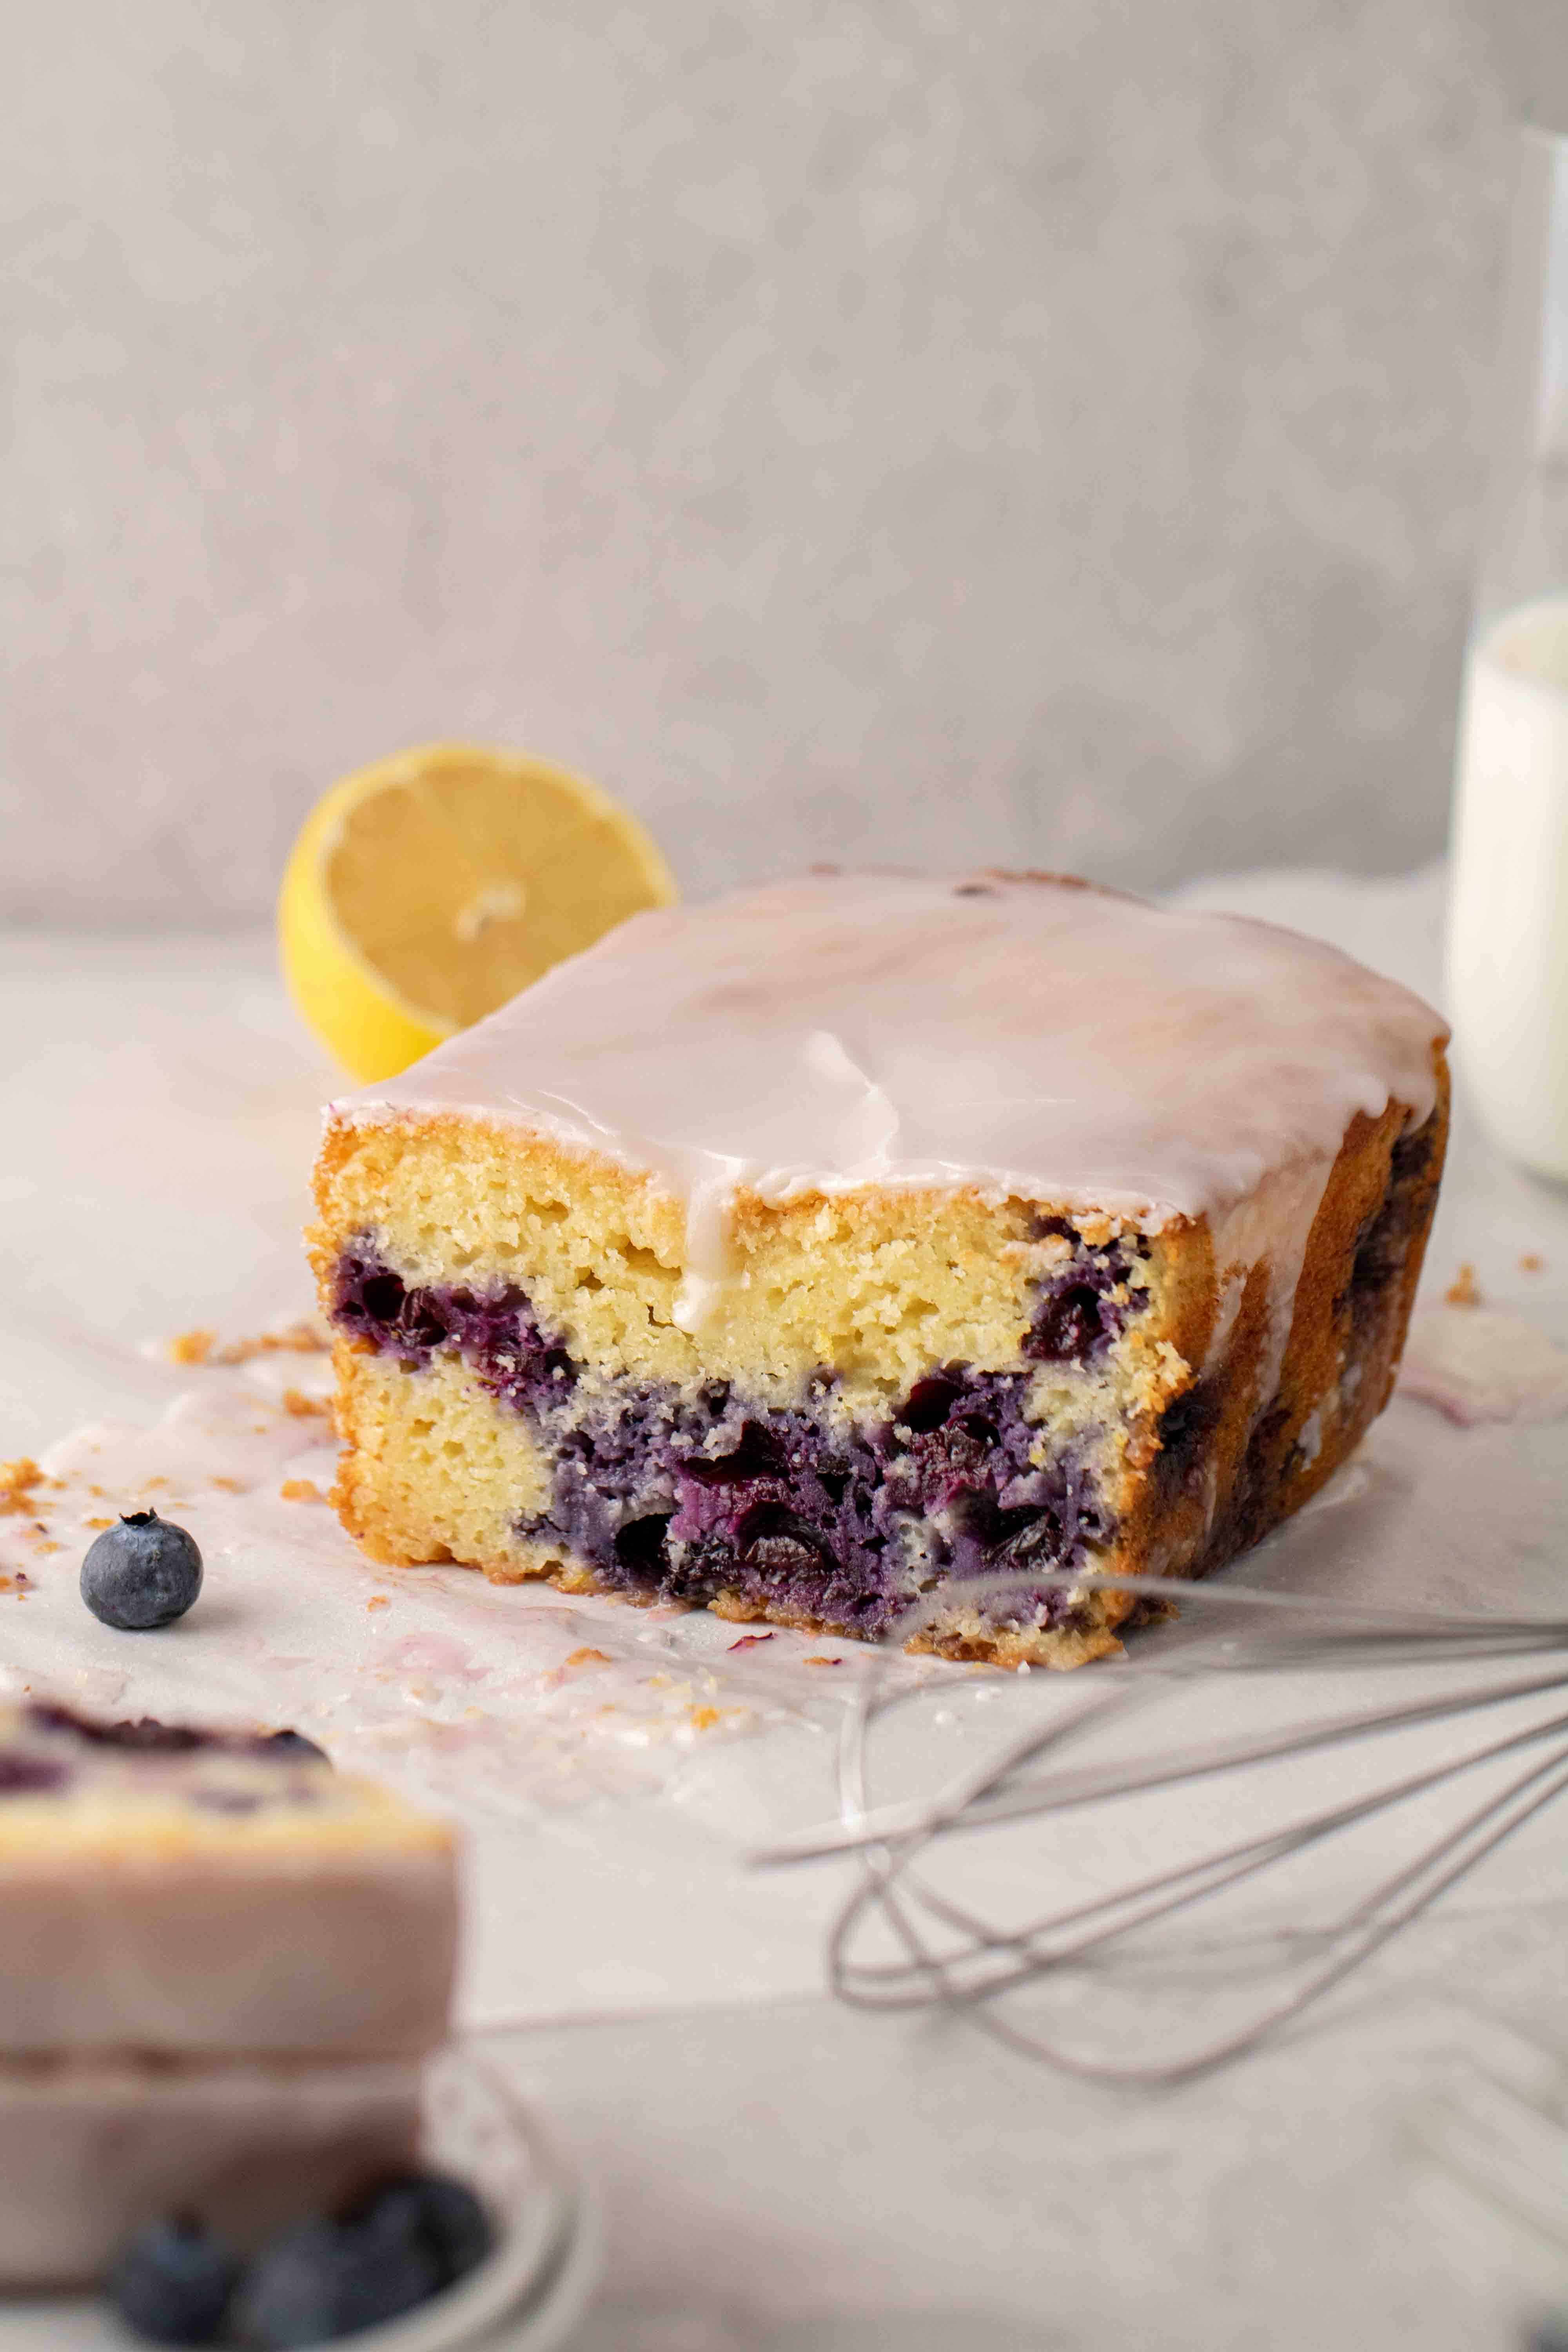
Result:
x=1464 y=1290
x=303 y=1407
x=300 y=1490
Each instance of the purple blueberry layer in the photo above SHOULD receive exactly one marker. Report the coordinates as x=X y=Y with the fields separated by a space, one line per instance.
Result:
x=149 y=1735
x=681 y=1496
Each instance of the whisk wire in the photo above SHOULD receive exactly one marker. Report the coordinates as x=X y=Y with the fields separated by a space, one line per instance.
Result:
x=954 y=1959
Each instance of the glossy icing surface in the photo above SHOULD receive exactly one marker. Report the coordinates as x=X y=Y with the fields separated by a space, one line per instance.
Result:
x=1029 y=1037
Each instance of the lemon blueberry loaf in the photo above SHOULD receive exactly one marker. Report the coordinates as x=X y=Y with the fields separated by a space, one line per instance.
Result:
x=799 y=1254
x=222 y=1965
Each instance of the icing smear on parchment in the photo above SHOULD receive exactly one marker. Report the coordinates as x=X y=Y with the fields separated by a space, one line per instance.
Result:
x=493 y=1700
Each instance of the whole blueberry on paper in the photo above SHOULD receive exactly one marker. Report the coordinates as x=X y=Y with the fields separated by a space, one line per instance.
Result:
x=143 y=1573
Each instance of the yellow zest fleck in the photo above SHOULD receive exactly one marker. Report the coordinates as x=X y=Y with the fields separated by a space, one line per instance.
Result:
x=703 y=1719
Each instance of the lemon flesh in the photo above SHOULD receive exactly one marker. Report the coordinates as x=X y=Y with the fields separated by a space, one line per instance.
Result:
x=426 y=891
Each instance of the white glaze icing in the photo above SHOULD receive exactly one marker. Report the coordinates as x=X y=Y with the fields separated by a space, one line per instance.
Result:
x=1033 y=1039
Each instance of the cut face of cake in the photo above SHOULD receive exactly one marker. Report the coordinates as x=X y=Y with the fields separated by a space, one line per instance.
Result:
x=189 y=1893
x=804 y=1252
x=222 y=1966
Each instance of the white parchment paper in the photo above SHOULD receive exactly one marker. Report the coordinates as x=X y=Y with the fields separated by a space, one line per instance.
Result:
x=613 y=1766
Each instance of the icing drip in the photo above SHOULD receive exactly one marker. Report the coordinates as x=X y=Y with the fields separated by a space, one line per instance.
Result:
x=1031 y=1039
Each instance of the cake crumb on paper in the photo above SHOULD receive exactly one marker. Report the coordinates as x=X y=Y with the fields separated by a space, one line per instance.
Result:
x=703 y=1719
x=378 y=1601
x=588 y=1657
x=1531 y=1262
x=97 y=1523
x=17 y=1480
x=303 y=1338
x=751 y=1640
x=302 y=1407
x=823 y=1661
x=300 y=1490
x=1464 y=1290
x=230 y=1486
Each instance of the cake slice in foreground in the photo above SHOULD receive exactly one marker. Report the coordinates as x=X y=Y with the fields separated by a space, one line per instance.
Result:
x=799 y=1254
x=222 y=1966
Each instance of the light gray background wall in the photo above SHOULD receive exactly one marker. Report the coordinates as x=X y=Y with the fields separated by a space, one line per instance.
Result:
x=1047 y=432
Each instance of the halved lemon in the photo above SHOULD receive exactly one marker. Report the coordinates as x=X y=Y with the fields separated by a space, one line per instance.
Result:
x=424 y=892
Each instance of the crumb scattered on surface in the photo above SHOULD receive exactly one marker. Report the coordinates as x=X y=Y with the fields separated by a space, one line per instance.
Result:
x=300 y=1490
x=378 y=1601
x=1464 y=1290
x=301 y=1406
x=586 y=1657
x=824 y=1662
x=302 y=1339
x=751 y=1640
x=151 y=1485
x=230 y=1486
x=1532 y=1262
x=17 y=1480
x=703 y=1719
x=97 y=1523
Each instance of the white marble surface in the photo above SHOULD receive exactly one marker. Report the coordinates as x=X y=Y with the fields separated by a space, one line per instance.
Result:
x=1056 y=431
x=781 y=2176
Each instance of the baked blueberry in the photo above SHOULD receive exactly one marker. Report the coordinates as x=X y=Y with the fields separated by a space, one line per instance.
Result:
x=293 y=1746
x=143 y=1573
x=172 y=2282
x=322 y=2279
x=433 y=2210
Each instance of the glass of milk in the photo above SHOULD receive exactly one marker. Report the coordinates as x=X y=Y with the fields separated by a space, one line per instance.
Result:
x=1508 y=918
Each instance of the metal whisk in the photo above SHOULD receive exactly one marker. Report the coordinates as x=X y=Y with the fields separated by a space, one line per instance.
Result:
x=931 y=1949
